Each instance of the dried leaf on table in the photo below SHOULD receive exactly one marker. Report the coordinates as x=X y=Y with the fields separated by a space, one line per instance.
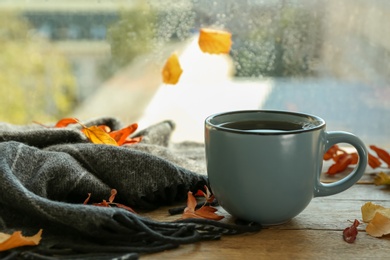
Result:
x=215 y=41
x=382 y=179
x=378 y=219
x=350 y=233
x=341 y=163
x=373 y=161
x=172 y=70
x=206 y=212
x=379 y=225
x=382 y=154
x=209 y=197
x=16 y=239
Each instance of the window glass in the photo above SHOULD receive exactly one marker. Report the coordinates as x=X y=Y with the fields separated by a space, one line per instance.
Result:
x=92 y=58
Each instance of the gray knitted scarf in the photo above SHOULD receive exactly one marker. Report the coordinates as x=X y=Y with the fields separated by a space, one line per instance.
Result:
x=47 y=173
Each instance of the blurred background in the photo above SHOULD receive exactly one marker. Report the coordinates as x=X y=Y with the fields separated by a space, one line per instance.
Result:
x=93 y=58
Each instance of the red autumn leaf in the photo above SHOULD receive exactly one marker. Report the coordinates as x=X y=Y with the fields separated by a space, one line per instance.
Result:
x=209 y=197
x=110 y=202
x=66 y=121
x=350 y=233
x=382 y=154
x=373 y=161
x=355 y=158
x=332 y=152
x=206 y=212
x=120 y=136
x=341 y=164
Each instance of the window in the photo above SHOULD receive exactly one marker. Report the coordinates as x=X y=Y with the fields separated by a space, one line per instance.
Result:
x=91 y=58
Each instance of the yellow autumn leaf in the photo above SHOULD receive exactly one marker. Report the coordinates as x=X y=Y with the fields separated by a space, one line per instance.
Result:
x=98 y=136
x=382 y=179
x=214 y=41
x=369 y=209
x=8 y=241
x=379 y=225
x=172 y=70
x=378 y=219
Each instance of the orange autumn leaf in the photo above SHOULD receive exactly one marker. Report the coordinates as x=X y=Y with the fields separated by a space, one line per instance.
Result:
x=98 y=136
x=172 y=70
x=206 y=212
x=341 y=164
x=209 y=197
x=382 y=154
x=214 y=41
x=332 y=152
x=110 y=202
x=16 y=239
x=65 y=122
x=373 y=161
x=121 y=136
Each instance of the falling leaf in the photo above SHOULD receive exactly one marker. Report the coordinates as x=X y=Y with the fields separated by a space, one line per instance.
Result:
x=66 y=121
x=378 y=219
x=206 y=212
x=215 y=41
x=172 y=70
x=350 y=233
x=16 y=239
x=382 y=179
x=98 y=136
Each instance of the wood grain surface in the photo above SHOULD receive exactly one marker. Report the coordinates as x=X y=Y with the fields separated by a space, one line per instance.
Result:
x=317 y=233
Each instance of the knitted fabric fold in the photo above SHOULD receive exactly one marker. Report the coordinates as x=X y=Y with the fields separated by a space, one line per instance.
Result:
x=47 y=173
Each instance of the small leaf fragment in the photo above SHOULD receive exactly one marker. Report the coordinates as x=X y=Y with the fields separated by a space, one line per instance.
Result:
x=172 y=70
x=16 y=239
x=214 y=41
x=98 y=136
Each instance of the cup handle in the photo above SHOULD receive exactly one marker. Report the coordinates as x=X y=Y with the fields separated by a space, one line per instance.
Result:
x=334 y=137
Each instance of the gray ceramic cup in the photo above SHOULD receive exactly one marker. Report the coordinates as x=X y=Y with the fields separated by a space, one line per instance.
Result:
x=265 y=166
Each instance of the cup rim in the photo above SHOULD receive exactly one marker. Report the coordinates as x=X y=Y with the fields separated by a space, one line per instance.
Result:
x=319 y=125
